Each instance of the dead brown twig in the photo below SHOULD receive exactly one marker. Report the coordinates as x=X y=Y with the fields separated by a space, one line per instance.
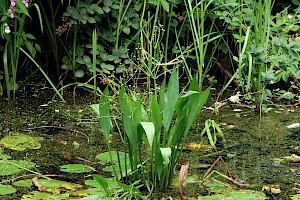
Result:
x=230 y=176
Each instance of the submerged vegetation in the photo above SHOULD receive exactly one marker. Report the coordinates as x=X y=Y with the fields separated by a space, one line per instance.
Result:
x=151 y=67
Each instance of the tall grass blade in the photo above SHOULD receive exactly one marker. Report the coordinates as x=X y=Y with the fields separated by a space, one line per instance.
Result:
x=40 y=16
x=6 y=70
x=94 y=53
x=45 y=75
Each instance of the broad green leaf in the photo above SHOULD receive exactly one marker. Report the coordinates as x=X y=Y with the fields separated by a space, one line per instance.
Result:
x=150 y=131
x=79 y=73
x=106 y=9
x=6 y=189
x=74 y=168
x=166 y=154
x=109 y=67
x=126 y=30
x=91 y=20
x=153 y=2
x=30 y=36
x=107 y=3
x=37 y=47
x=87 y=59
x=23 y=183
x=72 y=12
x=97 y=9
x=165 y=5
x=105 y=121
x=138 y=6
x=30 y=48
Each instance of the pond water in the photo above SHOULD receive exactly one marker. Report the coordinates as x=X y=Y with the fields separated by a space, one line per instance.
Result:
x=253 y=142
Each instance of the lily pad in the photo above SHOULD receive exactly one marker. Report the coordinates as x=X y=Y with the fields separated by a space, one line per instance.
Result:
x=23 y=183
x=6 y=189
x=5 y=156
x=74 y=168
x=44 y=196
x=21 y=142
x=89 y=192
x=55 y=186
x=238 y=194
x=111 y=182
x=229 y=193
x=10 y=167
x=106 y=158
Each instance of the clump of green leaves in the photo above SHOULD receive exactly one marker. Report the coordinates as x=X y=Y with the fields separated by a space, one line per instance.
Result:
x=212 y=135
x=153 y=134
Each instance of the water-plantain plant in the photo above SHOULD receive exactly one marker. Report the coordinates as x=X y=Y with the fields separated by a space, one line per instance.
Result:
x=153 y=134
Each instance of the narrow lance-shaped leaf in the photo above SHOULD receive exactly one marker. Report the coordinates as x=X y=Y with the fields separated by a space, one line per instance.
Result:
x=22 y=8
x=105 y=114
x=155 y=113
x=128 y=119
x=150 y=131
x=170 y=99
x=103 y=182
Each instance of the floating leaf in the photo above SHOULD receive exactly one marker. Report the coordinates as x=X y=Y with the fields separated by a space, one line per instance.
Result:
x=111 y=182
x=74 y=168
x=20 y=142
x=6 y=189
x=55 y=186
x=105 y=156
x=229 y=193
x=23 y=183
x=10 y=167
x=44 y=195
x=89 y=192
